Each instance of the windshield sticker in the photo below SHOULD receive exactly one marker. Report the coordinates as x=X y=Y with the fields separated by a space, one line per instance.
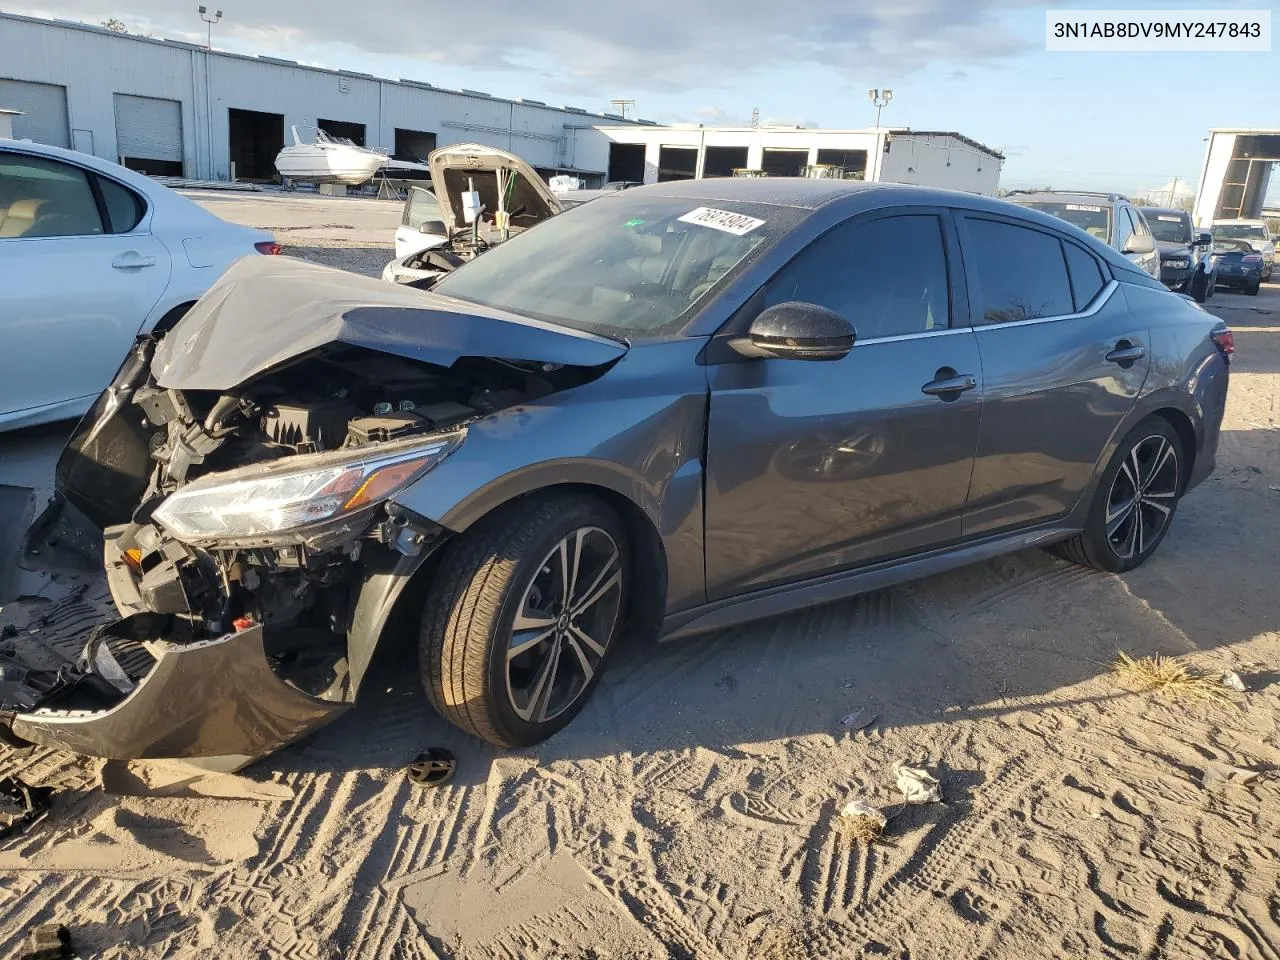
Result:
x=1170 y=219
x=738 y=224
x=632 y=224
x=1084 y=206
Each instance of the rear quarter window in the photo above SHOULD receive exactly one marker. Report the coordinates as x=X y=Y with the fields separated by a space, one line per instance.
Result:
x=124 y=207
x=1086 y=275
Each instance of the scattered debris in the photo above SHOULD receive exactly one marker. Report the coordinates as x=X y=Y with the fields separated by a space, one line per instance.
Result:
x=26 y=804
x=1232 y=681
x=1274 y=487
x=1227 y=773
x=917 y=785
x=433 y=768
x=1168 y=677
x=49 y=941
x=859 y=822
x=859 y=719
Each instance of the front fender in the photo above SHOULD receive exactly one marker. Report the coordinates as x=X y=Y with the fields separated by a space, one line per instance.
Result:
x=638 y=432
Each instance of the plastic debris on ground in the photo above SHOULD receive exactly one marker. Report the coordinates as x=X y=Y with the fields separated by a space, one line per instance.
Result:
x=917 y=785
x=859 y=719
x=49 y=941
x=431 y=769
x=1227 y=773
x=1232 y=680
x=26 y=806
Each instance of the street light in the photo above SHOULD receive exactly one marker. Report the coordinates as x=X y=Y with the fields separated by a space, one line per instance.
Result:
x=210 y=20
x=881 y=99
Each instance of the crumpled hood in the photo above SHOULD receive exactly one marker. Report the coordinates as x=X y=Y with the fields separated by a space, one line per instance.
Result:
x=529 y=200
x=265 y=311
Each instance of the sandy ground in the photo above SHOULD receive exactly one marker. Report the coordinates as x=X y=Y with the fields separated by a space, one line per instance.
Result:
x=689 y=811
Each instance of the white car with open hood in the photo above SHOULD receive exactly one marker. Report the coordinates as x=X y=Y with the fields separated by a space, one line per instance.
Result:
x=504 y=192
x=91 y=255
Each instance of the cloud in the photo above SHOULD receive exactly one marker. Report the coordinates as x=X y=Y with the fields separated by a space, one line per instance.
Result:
x=664 y=46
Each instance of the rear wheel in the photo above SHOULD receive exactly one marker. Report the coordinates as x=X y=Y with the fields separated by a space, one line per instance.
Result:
x=1253 y=287
x=522 y=617
x=1134 y=502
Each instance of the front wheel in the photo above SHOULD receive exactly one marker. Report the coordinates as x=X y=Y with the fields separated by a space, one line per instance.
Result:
x=522 y=617
x=1134 y=502
x=1198 y=287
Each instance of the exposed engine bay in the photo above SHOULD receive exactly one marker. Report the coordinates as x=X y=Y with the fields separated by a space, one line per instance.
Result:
x=244 y=510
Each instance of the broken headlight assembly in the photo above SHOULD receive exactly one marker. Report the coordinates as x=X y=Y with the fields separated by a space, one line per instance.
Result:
x=283 y=501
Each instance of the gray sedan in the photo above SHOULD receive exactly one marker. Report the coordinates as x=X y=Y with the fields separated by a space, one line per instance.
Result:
x=685 y=407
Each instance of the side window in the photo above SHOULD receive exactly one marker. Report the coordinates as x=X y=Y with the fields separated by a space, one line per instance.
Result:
x=1087 y=280
x=1021 y=271
x=420 y=207
x=45 y=198
x=1139 y=222
x=887 y=277
x=124 y=207
x=1124 y=227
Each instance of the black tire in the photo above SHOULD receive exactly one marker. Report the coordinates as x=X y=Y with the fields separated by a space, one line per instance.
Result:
x=489 y=574
x=1198 y=287
x=1126 y=547
x=1211 y=287
x=1252 y=289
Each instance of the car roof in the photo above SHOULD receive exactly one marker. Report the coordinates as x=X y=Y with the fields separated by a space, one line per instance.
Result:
x=115 y=170
x=1067 y=196
x=1247 y=222
x=1166 y=211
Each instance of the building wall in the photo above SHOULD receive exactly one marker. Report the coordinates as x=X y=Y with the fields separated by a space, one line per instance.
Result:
x=95 y=64
x=939 y=161
x=1217 y=158
x=936 y=160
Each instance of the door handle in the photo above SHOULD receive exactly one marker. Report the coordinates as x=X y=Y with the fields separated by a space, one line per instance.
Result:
x=132 y=260
x=1126 y=352
x=949 y=383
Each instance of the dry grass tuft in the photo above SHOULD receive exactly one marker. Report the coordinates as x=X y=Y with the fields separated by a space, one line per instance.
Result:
x=859 y=828
x=1169 y=677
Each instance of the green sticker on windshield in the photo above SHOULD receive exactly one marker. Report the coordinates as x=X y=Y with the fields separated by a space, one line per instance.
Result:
x=634 y=223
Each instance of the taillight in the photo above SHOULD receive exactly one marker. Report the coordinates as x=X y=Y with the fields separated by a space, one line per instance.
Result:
x=1224 y=340
x=1251 y=258
x=268 y=247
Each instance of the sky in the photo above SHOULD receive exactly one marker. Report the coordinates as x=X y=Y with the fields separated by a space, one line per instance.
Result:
x=1101 y=121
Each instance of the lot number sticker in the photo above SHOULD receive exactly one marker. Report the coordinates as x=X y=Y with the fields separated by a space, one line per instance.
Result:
x=736 y=223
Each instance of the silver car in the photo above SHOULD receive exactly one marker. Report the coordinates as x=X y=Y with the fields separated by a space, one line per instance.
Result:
x=1109 y=217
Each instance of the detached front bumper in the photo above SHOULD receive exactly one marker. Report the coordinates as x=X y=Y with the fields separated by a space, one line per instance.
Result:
x=217 y=699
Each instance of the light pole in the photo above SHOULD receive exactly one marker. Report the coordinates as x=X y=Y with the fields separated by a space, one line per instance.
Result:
x=210 y=20
x=881 y=99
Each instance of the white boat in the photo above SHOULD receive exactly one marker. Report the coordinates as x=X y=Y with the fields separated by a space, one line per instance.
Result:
x=328 y=160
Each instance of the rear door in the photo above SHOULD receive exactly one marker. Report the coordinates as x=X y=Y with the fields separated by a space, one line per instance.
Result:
x=79 y=275
x=814 y=467
x=1062 y=364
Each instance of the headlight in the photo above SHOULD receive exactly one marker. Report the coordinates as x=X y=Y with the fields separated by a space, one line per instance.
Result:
x=297 y=492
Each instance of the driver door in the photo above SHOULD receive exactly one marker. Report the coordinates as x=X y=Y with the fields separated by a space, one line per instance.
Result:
x=815 y=467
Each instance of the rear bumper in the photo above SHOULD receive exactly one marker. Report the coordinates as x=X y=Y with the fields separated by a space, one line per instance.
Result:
x=218 y=699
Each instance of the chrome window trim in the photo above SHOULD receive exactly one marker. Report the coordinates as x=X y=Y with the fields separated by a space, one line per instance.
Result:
x=1100 y=301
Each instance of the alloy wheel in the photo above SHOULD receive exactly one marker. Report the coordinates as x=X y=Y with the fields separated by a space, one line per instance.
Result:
x=1143 y=495
x=563 y=625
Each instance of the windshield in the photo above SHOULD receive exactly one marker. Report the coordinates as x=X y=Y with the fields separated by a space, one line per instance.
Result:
x=1092 y=218
x=1240 y=231
x=1170 y=227
x=420 y=208
x=627 y=264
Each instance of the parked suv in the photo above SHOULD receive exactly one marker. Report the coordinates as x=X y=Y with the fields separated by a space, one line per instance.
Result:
x=1257 y=235
x=1110 y=217
x=1186 y=256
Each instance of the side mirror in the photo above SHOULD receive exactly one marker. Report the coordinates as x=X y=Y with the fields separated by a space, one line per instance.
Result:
x=1139 y=243
x=1204 y=240
x=435 y=227
x=797 y=331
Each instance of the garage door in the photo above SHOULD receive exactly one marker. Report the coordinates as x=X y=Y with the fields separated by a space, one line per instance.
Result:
x=148 y=128
x=44 y=111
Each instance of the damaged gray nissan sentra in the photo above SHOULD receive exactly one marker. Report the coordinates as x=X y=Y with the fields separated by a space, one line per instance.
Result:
x=668 y=411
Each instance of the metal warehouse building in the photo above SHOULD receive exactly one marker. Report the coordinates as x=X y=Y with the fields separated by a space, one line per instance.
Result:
x=171 y=108
x=176 y=109
x=936 y=158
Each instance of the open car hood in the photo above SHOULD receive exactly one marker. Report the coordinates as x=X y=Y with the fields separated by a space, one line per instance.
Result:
x=529 y=200
x=265 y=311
